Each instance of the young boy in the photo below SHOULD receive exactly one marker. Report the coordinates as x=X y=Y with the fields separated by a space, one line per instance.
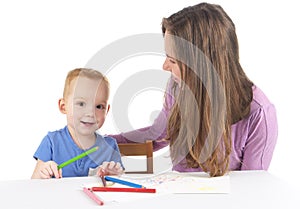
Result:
x=85 y=103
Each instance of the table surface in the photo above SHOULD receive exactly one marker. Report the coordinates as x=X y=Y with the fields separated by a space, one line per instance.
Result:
x=248 y=189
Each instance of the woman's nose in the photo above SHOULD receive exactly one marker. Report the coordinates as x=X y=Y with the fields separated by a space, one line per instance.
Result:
x=166 y=66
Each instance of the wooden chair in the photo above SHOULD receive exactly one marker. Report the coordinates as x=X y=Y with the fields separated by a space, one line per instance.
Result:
x=139 y=149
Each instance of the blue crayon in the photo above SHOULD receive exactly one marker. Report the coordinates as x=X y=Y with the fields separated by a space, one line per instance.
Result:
x=127 y=183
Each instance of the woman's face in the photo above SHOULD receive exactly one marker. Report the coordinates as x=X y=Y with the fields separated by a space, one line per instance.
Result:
x=171 y=64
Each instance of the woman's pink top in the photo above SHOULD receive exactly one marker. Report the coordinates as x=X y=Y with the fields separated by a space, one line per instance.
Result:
x=253 y=138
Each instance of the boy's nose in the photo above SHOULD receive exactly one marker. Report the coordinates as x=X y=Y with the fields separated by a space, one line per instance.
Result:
x=90 y=111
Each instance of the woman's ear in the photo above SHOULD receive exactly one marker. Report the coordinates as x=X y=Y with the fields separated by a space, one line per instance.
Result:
x=62 y=106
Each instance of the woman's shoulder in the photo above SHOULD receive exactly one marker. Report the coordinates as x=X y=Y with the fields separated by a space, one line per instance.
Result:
x=260 y=100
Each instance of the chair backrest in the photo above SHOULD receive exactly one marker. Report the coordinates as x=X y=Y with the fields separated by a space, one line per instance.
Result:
x=139 y=149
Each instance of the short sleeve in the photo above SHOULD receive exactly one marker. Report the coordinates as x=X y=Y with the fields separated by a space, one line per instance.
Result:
x=44 y=151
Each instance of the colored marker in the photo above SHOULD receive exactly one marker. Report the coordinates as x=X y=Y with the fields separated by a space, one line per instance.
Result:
x=77 y=157
x=127 y=183
x=122 y=189
x=93 y=196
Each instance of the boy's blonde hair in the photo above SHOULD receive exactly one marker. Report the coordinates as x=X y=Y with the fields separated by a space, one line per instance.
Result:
x=84 y=72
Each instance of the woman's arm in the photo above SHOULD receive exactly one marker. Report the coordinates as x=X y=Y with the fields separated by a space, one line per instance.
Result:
x=156 y=132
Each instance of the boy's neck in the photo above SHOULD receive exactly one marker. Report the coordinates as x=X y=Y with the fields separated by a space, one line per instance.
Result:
x=83 y=142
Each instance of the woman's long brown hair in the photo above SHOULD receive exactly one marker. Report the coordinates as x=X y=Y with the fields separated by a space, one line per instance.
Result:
x=214 y=92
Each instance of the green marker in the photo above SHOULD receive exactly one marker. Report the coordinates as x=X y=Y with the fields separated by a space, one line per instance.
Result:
x=77 y=157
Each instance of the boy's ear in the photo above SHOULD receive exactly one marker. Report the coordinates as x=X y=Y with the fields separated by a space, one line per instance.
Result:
x=62 y=106
x=108 y=107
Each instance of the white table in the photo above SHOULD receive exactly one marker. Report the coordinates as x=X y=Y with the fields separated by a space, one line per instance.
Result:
x=249 y=189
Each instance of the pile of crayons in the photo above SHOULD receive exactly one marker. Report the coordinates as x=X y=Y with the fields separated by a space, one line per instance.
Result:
x=132 y=188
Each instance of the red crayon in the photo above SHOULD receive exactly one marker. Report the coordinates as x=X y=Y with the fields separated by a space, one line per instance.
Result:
x=122 y=189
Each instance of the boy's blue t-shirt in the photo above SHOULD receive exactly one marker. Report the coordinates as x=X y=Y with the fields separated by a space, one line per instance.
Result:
x=59 y=147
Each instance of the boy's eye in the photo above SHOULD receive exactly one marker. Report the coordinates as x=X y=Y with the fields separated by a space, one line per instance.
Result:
x=80 y=104
x=100 y=106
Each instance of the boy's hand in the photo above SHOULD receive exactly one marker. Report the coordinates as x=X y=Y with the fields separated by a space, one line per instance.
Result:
x=110 y=168
x=45 y=170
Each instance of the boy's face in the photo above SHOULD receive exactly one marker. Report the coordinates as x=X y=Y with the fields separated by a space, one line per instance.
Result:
x=86 y=105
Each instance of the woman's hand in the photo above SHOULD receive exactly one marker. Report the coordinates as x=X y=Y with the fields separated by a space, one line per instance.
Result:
x=45 y=170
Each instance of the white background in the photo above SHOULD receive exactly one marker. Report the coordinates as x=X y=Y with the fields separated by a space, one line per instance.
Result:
x=42 y=40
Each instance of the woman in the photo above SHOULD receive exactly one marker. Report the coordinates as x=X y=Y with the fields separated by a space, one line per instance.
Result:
x=214 y=118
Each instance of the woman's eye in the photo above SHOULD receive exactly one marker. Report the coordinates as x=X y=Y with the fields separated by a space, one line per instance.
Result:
x=172 y=61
